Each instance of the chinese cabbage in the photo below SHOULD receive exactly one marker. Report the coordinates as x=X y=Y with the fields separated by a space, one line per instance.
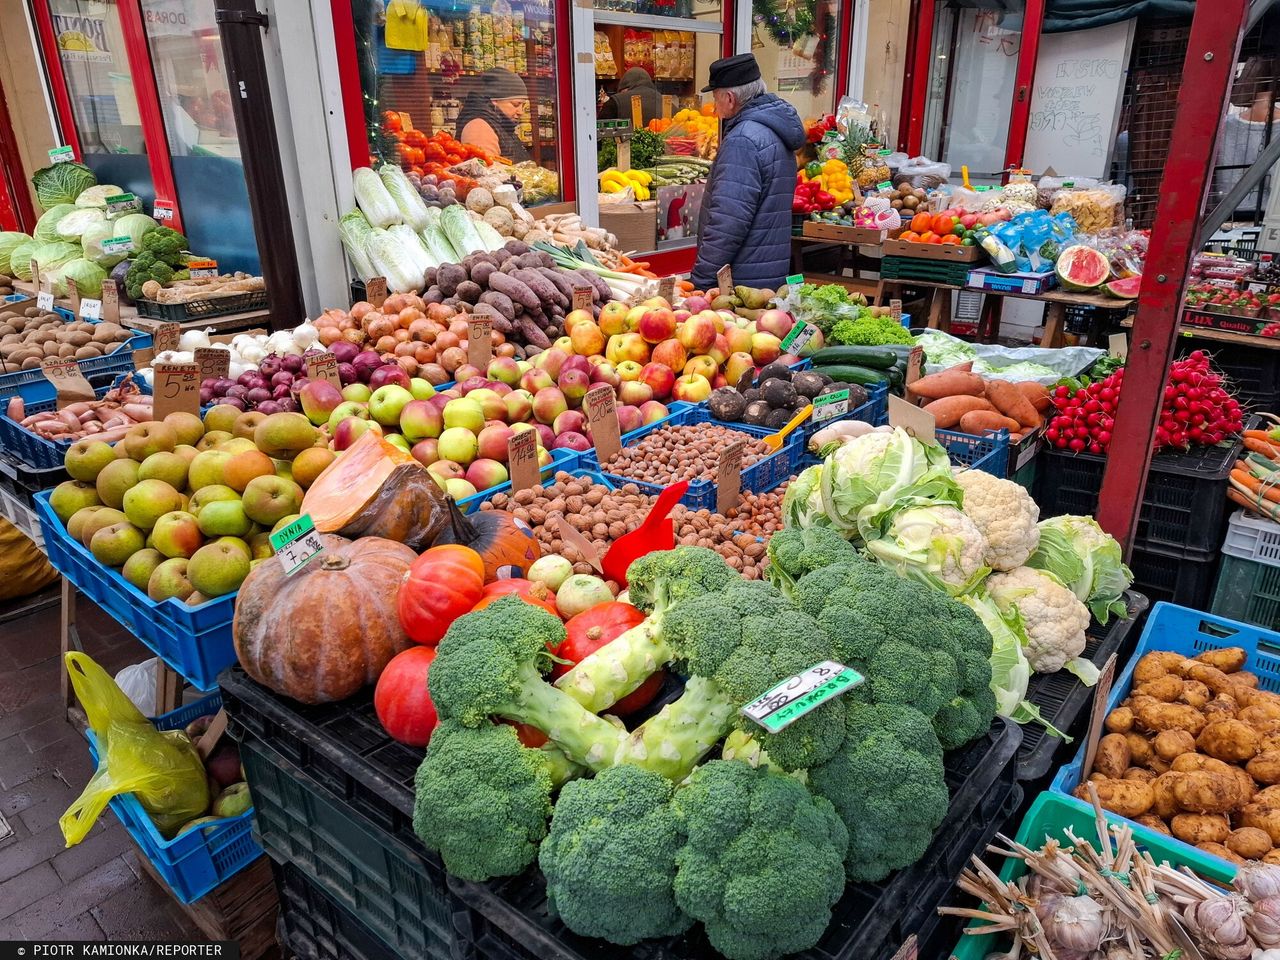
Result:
x=375 y=202
x=457 y=226
x=408 y=201
x=390 y=259
x=354 y=230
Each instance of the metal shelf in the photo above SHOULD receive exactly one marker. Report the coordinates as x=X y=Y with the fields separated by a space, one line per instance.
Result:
x=652 y=22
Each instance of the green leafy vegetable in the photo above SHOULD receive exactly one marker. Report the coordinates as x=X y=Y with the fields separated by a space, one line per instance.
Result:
x=97 y=196
x=20 y=259
x=88 y=276
x=62 y=183
x=78 y=221
x=135 y=226
x=47 y=226
x=646 y=148
x=945 y=351
x=869 y=331
x=10 y=241
x=1087 y=559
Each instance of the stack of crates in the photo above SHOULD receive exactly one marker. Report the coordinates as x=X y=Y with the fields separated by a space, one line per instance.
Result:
x=1249 y=579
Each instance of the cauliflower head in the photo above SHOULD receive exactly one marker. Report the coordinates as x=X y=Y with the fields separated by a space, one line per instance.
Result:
x=936 y=544
x=1054 y=618
x=1006 y=515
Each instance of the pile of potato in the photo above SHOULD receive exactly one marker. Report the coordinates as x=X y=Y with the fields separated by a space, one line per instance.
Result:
x=6 y=285
x=1194 y=751
x=29 y=336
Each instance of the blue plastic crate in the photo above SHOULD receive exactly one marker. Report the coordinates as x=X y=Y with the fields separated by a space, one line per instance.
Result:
x=37 y=388
x=1189 y=632
x=194 y=641
x=988 y=453
x=560 y=460
x=195 y=861
x=32 y=449
x=875 y=412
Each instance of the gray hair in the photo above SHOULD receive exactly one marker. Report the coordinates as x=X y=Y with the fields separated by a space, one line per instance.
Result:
x=747 y=92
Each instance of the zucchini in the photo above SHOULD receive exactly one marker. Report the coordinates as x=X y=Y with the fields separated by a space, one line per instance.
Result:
x=849 y=373
x=877 y=357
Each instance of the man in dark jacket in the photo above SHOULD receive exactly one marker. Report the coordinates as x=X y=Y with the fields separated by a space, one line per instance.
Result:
x=636 y=82
x=746 y=212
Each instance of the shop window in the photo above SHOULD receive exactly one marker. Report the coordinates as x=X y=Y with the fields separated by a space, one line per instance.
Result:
x=444 y=82
x=797 y=45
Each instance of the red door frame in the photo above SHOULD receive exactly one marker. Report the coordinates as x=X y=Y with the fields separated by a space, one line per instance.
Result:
x=64 y=115
x=1024 y=79
x=915 y=77
x=16 y=209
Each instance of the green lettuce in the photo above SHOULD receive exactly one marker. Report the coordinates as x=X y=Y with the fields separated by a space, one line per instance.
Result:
x=802 y=502
x=1087 y=559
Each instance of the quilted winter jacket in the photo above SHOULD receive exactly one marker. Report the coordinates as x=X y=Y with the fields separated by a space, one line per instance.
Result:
x=746 y=214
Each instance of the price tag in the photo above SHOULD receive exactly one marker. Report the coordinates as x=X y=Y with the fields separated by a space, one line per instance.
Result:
x=67 y=380
x=176 y=388
x=90 y=309
x=522 y=460
x=915 y=365
x=202 y=268
x=799 y=335
x=667 y=288
x=637 y=113
x=122 y=203
x=667 y=100
x=582 y=297
x=911 y=419
x=73 y=294
x=828 y=406
x=1097 y=716
x=729 y=477
x=479 y=342
x=791 y=699
x=406 y=122
x=586 y=549
x=1068 y=184
x=602 y=417
x=795 y=279
x=110 y=300
x=375 y=290
x=209 y=739
x=167 y=336
x=895 y=310
x=323 y=366
x=214 y=363
x=1118 y=345
x=62 y=155
x=297 y=544
x=884 y=186
x=724 y=279
x=884 y=153
x=44 y=301
x=118 y=245
x=162 y=211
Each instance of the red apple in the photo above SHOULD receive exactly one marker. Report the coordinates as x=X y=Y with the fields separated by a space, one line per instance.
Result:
x=628 y=370
x=660 y=379
x=571 y=421
x=537 y=379
x=549 y=360
x=657 y=325
x=549 y=404
x=691 y=388
x=491 y=444
x=719 y=351
x=670 y=353
x=777 y=322
x=626 y=347
x=426 y=452
x=702 y=366
x=765 y=348
x=738 y=339
x=697 y=334
x=604 y=372
x=629 y=418
x=652 y=411
x=574 y=385
x=634 y=392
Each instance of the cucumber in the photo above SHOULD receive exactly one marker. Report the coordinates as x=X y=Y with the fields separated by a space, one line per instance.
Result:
x=849 y=373
x=877 y=357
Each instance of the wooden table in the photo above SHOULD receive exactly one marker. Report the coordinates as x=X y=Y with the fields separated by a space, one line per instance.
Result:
x=129 y=316
x=857 y=261
x=1222 y=336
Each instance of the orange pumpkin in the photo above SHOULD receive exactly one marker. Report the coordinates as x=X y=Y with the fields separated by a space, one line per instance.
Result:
x=505 y=544
x=442 y=585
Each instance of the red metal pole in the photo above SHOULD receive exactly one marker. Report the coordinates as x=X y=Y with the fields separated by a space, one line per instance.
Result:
x=150 y=115
x=729 y=13
x=344 y=38
x=844 y=34
x=908 y=67
x=1207 y=74
x=16 y=209
x=562 y=20
x=57 y=79
x=918 y=85
x=1024 y=79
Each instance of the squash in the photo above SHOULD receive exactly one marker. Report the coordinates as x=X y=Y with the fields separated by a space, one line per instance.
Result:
x=505 y=543
x=328 y=630
x=401 y=700
x=442 y=585
x=592 y=629
x=538 y=594
x=375 y=489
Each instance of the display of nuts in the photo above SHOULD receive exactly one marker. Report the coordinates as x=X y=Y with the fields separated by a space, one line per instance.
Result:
x=684 y=452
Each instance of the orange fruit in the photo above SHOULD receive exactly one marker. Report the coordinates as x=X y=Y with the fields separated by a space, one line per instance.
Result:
x=921 y=222
x=951 y=240
x=941 y=224
x=928 y=237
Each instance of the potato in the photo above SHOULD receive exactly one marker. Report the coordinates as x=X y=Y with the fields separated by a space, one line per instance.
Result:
x=1138 y=773
x=1269 y=796
x=1152 y=822
x=1119 y=720
x=1219 y=850
x=1264 y=816
x=1156 y=664
x=1164 y=803
x=1202 y=791
x=1272 y=856
x=1195 y=693
x=1248 y=788
x=1158 y=765
x=1259 y=715
x=1245 y=677
x=1211 y=677
x=1129 y=798
x=1169 y=744
x=1155 y=716
x=1248 y=842
x=1221 y=707
x=1112 y=758
x=1166 y=689
x=1200 y=827
x=1140 y=751
x=1229 y=740
x=1188 y=762
x=1265 y=767
x=1228 y=659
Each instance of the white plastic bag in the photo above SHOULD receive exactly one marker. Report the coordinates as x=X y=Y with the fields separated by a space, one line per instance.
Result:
x=138 y=681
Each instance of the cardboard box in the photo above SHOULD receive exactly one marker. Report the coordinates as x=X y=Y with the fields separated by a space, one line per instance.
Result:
x=634 y=224
x=1031 y=284
x=954 y=253
x=843 y=234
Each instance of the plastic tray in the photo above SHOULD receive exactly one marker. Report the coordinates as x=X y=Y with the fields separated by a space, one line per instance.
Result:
x=203 y=309
x=1248 y=590
x=194 y=641
x=760 y=477
x=1253 y=374
x=32 y=450
x=1048 y=817
x=1184 y=577
x=1190 y=632
x=196 y=861
x=23 y=482
x=120 y=360
x=1251 y=537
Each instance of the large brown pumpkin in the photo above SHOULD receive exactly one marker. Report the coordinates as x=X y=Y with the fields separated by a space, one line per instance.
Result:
x=375 y=489
x=328 y=630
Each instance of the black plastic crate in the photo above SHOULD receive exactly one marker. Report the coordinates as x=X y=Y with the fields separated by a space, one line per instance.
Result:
x=1061 y=697
x=23 y=481
x=1184 y=506
x=203 y=309
x=1252 y=373
x=1184 y=577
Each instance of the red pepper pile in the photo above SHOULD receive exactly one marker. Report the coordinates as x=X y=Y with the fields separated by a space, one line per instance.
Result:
x=815 y=131
x=810 y=197
x=1197 y=410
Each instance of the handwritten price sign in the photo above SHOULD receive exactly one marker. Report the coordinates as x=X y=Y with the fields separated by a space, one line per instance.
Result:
x=297 y=545
x=177 y=389
x=790 y=700
x=479 y=342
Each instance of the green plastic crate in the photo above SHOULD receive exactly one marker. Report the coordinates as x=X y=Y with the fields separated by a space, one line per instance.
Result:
x=1248 y=590
x=1053 y=813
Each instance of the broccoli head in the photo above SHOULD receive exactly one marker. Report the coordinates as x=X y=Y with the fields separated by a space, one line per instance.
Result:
x=704 y=631
x=886 y=782
x=490 y=663
x=657 y=580
x=481 y=800
x=609 y=859
x=793 y=552
x=145 y=266
x=166 y=244
x=761 y=867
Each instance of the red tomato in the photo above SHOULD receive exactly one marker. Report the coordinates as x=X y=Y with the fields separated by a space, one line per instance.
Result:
x=591 y=630
x=531 y=737
x=401 y=700
x=391 y=121
x=528 y=591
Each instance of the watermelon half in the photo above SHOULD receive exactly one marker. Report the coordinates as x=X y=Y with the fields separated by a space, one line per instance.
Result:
x=1126 y=289
x=1082 y=268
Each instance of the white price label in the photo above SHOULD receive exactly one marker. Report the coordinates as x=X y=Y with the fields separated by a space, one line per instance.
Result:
x=800 y=334
x=162 y=211
x=830 y=405
x=90 y=309
x=297 y=544
x=44 y=300
x=117 y=245
x=62 y=155
x=203 y=268
x=122 y=203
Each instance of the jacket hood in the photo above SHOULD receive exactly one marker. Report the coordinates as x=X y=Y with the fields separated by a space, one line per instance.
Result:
x=635 y=77
x=779 y=116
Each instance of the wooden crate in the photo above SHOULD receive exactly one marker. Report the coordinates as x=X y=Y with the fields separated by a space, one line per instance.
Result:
x=953 y=253
x=243 y=909
x=837 y=231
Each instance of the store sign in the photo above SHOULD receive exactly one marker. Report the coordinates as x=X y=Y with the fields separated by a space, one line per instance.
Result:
x=790 y=700
x=82 y=39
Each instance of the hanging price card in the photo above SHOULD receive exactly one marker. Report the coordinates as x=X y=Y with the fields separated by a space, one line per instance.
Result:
x=522 y=460
x=67 y=380
x=915 y=365
x=799 y=335
x=110 y=300
x=176 y=388
x=375 y=290
x=602 y=417
x=162 y=211
x=122 y=203
x=203 y=268
x=895 y=310
x=44 y=301
x=214 y=362
x=637 y=113
x=790 y=700
x=118 y=245
x=90 y=309
x=724 y=279
x=884 y=186
x=297 y=544
x=479 y=342
x=167 y=336
x=729 y=477
x=62 y=155
x=581 y=298
x=828 y=406
x=324 y=366
x=667 y=288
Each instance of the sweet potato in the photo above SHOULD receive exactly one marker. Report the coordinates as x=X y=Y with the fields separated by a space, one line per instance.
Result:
x=947 y=411
x=1008 y=399
x=948 y=383
x=978 y=421
x=1036 y=393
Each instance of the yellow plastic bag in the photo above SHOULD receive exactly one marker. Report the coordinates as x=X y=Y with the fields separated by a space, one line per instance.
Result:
x=162 y=770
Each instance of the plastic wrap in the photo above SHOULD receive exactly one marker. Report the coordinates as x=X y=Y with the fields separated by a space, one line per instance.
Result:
x=1095 y=209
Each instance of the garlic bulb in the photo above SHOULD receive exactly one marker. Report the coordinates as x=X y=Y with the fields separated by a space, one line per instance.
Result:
x=1076 y=924
x=1258 y=881
x=1264 y=921
x=194 y=339
x=1219 y=926
x=1265 y=955
x=305 y=334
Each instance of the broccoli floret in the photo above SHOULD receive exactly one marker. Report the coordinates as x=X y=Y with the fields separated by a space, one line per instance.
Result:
x=657 y=580
x=166 y=244
x=145 y=266
x=490 y=663
x=704 y=631
x=762 y=864
x=482 y=800
x=609 y=859
x=794 y=552
x=887 y=785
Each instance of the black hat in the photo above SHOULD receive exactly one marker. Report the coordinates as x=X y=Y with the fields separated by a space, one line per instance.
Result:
x=732 y=72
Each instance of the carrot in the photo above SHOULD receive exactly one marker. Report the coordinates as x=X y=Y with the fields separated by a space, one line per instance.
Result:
x=1248 y=483
x=1261 y=446
x=1037 y=394
x=947 y=383
x=978 y=421
x=1009 y=400
x=1264 y=509
x=1258 y=435
x=947 y=411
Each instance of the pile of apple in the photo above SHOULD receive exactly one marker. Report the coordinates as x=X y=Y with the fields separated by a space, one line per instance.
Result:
x=184 y=507
x=460 y=434
x=679 y=354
